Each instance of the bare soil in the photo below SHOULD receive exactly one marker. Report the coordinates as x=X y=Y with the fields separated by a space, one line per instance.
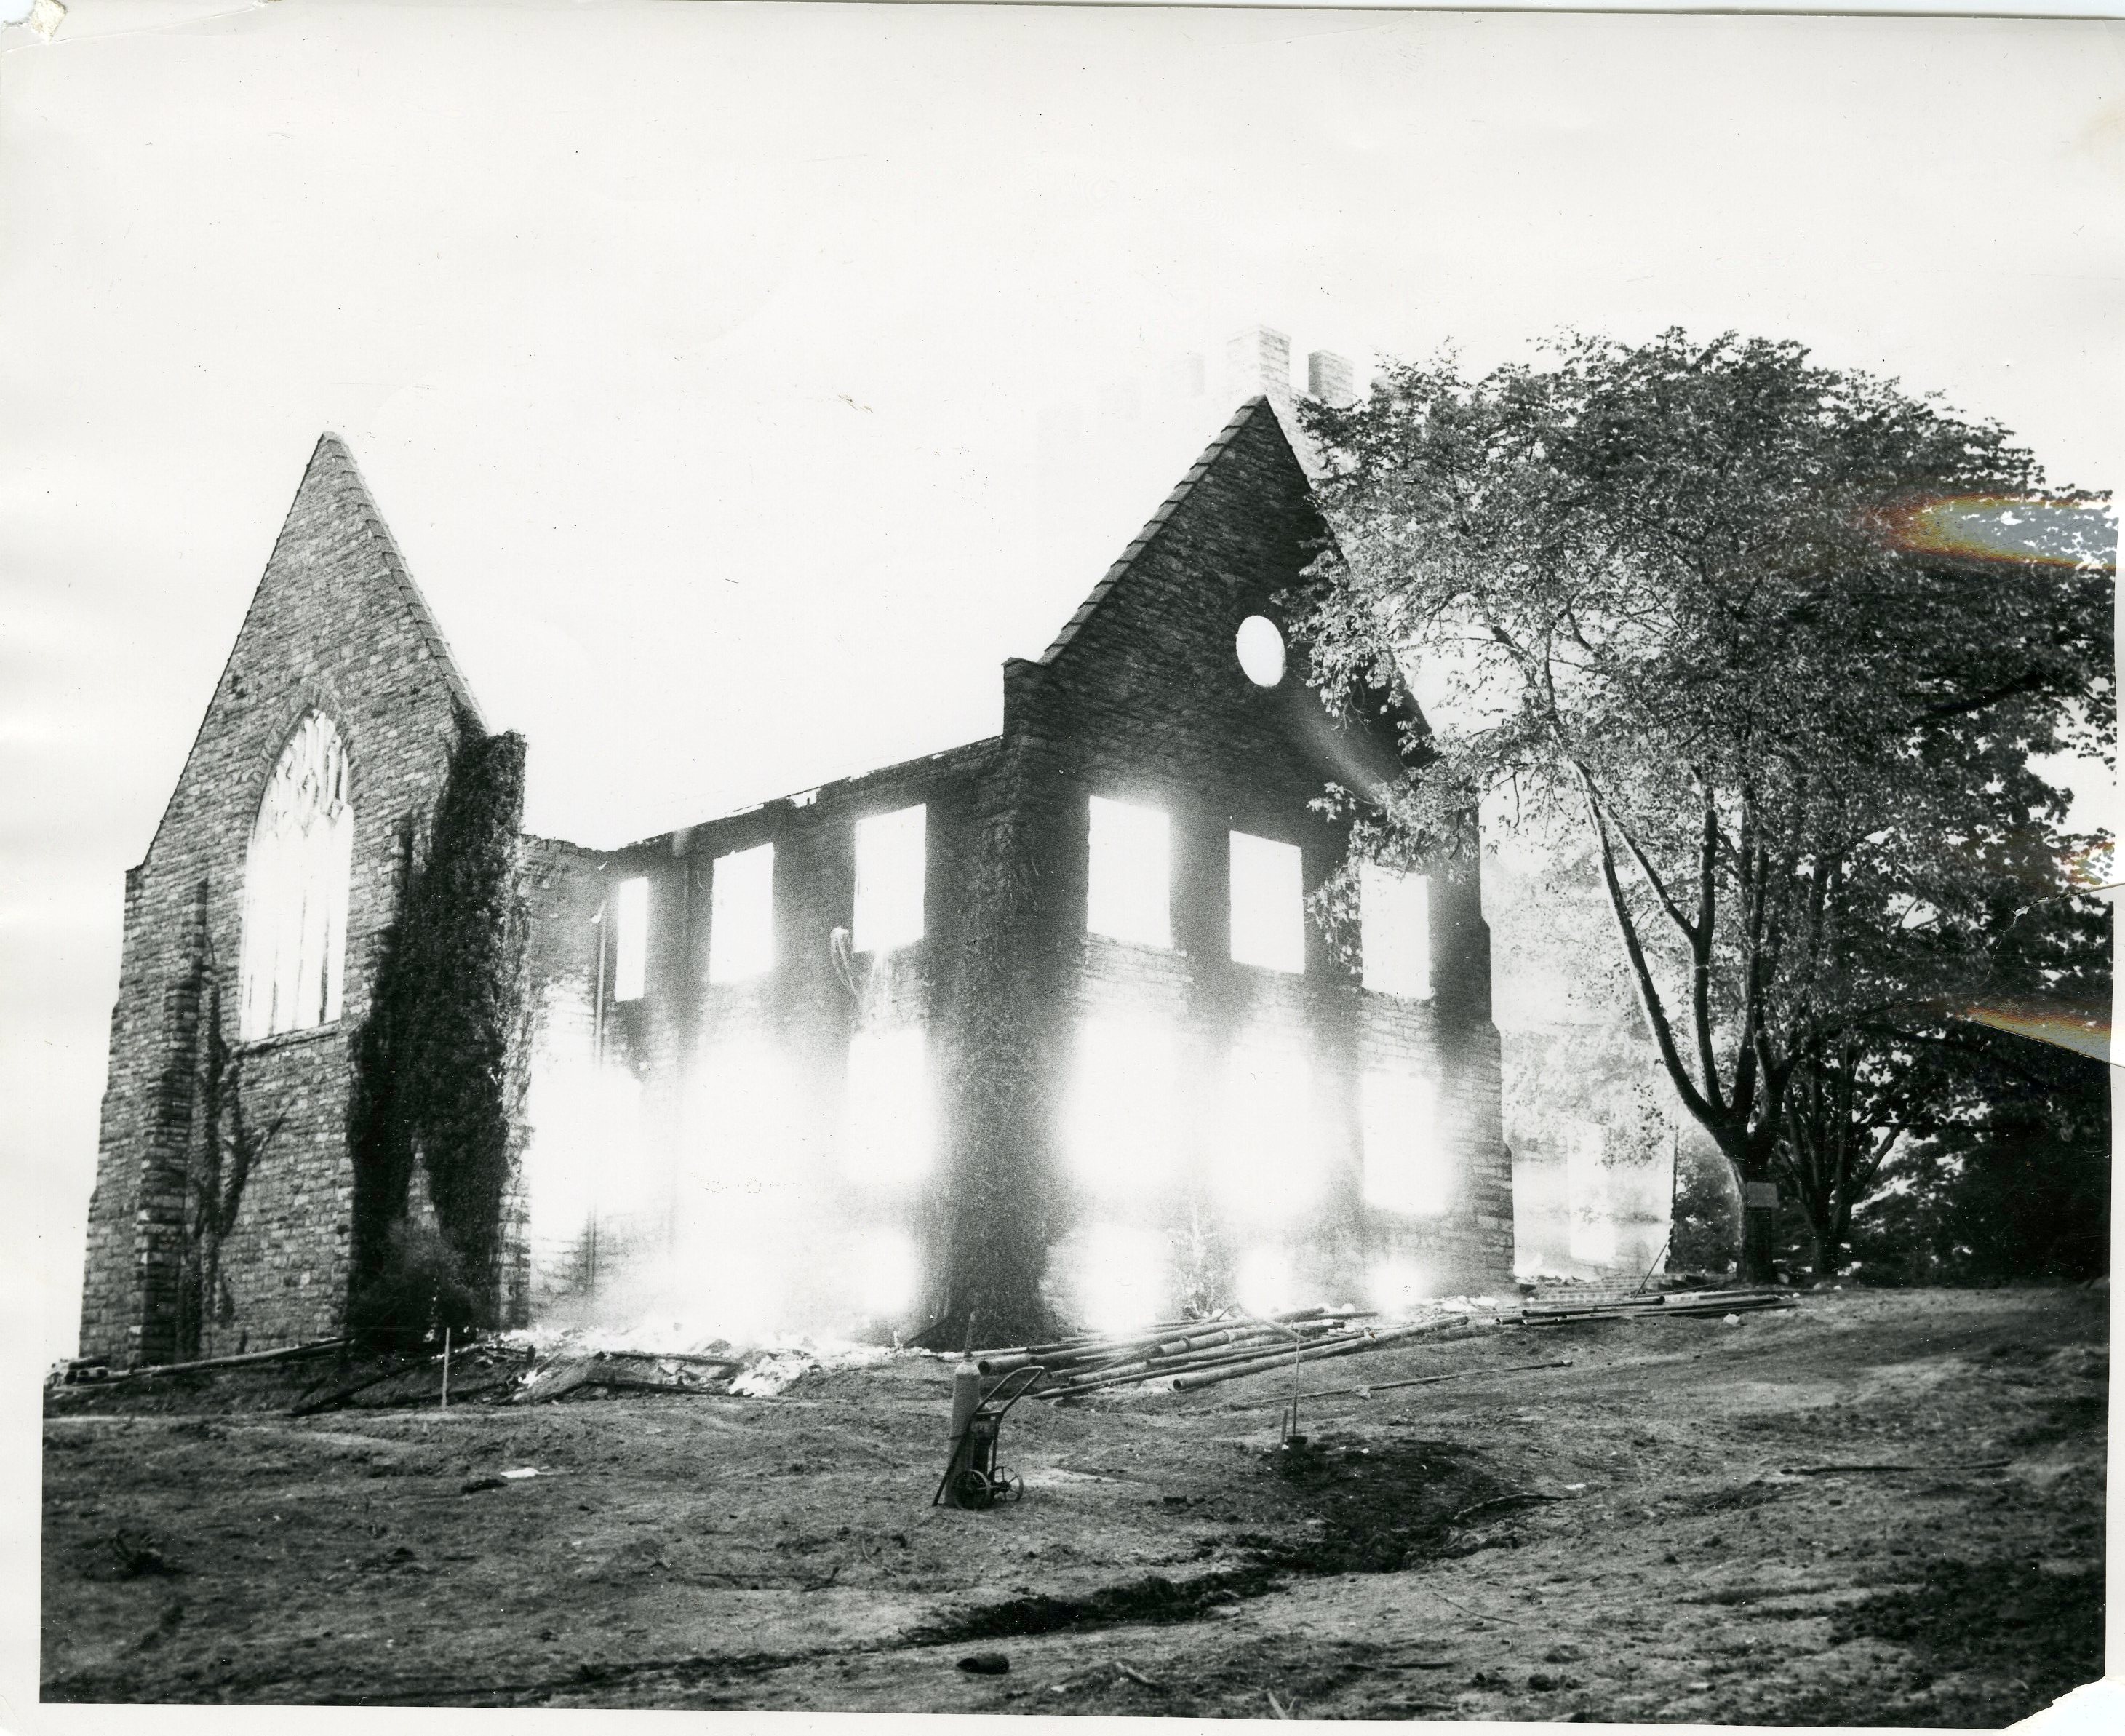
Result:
x=1693 y=1560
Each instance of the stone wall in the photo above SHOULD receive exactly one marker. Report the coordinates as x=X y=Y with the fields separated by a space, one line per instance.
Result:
x=335 y=625
x=1142 y=698
x=717 y=1134
x=691 y=1149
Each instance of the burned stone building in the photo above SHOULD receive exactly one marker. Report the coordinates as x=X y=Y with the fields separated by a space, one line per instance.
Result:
x=1038 y=1028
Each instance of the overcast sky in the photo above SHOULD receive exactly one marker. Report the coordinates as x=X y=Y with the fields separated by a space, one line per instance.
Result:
x=744 y=385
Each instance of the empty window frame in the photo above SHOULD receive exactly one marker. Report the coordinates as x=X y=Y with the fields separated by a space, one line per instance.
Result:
x=1268 y=904
x=1394 y=915
x=630 y=938
x=1130 y=866
x=1406 y=1166
x=742 y=915
x=296 y=879
x=890 y=875
x=887 y=1126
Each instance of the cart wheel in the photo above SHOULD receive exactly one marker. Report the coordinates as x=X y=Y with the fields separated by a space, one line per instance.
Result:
x=971 y=1490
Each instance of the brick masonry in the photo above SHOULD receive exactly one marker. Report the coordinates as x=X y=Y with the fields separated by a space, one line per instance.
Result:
x=691 y=1141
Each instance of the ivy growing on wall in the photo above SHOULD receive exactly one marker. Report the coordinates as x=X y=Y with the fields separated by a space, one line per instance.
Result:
x=440 y=1061
x=222 y=1146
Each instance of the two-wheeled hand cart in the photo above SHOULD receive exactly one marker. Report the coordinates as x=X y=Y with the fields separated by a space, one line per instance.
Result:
x=971 y=1479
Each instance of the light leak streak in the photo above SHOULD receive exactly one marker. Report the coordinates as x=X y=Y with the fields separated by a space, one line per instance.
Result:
x=2082 y=1029
x=2052 y=533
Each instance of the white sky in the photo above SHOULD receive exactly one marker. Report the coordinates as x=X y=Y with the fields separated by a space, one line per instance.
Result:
x=743 y=386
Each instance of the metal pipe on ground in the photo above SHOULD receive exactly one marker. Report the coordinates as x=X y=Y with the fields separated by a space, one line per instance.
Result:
x=1369 y=1342
x=1156 y=1342
x=1145 y=1368
x=1253 y=1351
x=1390 y=1386
x=1067 y=1350
x=287 y=1353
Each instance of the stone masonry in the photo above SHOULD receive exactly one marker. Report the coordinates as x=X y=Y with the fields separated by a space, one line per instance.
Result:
x=693 y=1136
x=336 y=626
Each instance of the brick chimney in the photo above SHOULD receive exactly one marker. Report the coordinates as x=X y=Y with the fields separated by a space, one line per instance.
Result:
x=1330 y=377
x=1259 y=360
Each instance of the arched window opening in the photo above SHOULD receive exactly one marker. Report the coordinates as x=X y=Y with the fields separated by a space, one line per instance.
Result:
x=295 y=885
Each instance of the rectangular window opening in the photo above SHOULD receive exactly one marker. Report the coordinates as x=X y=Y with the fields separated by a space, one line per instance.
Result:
x=1394 y=913
x=889 y=875
x=1130 y=869
x=742 y=915
x=1406 y=1169
x=630 y=938
x=1268 y=903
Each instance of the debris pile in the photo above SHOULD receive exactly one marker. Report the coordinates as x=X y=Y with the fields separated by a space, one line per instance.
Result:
x=587 y=1372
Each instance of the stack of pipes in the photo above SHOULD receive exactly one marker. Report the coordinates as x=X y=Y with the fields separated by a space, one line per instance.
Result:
x=1200 y=1353
x=1556 y=1310
x=1090 y=1358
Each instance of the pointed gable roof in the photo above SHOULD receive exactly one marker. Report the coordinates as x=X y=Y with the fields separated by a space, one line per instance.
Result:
x=1255 y=413
x=333 y=532
x=331 y=476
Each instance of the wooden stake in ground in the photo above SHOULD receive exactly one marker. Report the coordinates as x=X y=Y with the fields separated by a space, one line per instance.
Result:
x=446 y=1368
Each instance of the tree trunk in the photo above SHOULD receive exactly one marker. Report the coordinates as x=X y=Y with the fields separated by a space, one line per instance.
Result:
x=1829 y=1237
x=1759 y=1228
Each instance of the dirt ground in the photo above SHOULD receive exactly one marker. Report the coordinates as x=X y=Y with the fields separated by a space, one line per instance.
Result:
x=1688 y=1560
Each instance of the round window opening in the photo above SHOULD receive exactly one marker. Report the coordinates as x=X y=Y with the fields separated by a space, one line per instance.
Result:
x=1260 y=647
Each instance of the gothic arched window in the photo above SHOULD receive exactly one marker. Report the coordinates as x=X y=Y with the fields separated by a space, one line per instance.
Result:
x=294 y=887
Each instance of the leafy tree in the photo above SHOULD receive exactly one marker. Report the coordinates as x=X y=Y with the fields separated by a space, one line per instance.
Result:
x=1863 y=1094
x=1782 y=637
x=2018 y=1188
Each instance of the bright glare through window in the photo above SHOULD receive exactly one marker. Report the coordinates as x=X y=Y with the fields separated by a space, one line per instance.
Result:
x=1394 y=914
x=1122 y=1131
x=1260 y=648
x=1405 y=1169
x=1586 y=1177
x=1269 y=1160
x=630 y=938
x=1397 y=1286
x=1131 y=865
x=887 y=1123
x=889 y=857
x=742 y=915
x=1262 y=1284
x=1122 y=1280
x=295 y=887
x=1268 y=907
x=887 y=1271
